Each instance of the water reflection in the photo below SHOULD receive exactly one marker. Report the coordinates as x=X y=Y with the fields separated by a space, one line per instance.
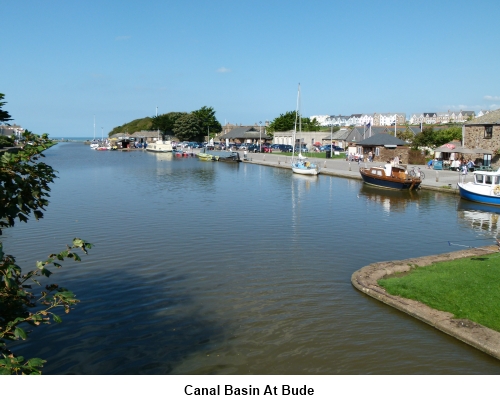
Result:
x=271 y=293
x=164 y=157
x=389 y=200
x=481 y=217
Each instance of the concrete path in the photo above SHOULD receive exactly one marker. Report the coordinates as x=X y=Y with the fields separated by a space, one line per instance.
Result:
x=438 y=180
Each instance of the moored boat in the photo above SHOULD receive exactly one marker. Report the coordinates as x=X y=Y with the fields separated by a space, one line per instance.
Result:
x=394 y=177
x=484 y=189
x=160 y=146
x=300 y=164
x=205 y=156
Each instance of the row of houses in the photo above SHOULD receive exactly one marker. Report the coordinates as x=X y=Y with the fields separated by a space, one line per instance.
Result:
x=382 y=119
x=377 y=119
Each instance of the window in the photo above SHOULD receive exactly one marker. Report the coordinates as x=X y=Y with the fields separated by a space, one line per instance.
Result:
x=488 y=131
x=377 y=151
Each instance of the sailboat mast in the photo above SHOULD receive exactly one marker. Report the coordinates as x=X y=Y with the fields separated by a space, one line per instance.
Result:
x=94 y=128
x=295 y=124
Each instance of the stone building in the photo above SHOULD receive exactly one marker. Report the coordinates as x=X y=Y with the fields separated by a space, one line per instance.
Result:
x=484 y=132
x=384 y=147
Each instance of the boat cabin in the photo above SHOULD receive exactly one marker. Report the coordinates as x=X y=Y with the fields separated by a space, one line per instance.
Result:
x=487 y=179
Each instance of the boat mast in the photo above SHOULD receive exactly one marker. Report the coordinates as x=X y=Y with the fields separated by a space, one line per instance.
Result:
x=295 y=124
x=94 y=128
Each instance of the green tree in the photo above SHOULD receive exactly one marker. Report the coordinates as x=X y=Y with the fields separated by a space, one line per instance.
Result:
x=24 y=187
x=309 y=125
x=4 y=115
x=6 y=141
x=187 y=128
x=165 y=122
x=207 y=121
x=432 y=139
x=285 y=122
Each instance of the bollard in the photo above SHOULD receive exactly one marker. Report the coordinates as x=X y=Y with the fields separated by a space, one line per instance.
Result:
x=437 y=176
x=324 y=165
x=264 y=159
x=349 y=166
x=278 y=160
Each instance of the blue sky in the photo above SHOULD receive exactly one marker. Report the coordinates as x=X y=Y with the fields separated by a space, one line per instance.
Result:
x=65 y=62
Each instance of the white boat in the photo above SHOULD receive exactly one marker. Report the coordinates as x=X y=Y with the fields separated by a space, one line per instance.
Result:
x=300 y=164
x=160 y=146
x=485 y=188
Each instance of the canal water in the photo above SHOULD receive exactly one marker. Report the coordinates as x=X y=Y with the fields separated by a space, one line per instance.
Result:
x=218 y=268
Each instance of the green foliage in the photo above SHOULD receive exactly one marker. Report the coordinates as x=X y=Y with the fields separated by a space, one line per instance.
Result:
x=4 y=115
x=468 y=288
x=140 y=124
x=165 y=122
x=285 y=122
x=24 y=181
x=6 y=141
x=310 y=126
x=207 y=120
x=24 y=302
x=432 y=139
x=187 y=128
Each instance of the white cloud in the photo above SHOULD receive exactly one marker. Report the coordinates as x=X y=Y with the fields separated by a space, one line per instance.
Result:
x=123 y=38
x=492 y=98
x=223 y=70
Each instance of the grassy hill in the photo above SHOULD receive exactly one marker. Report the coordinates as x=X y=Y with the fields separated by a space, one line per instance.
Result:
x=133 y=126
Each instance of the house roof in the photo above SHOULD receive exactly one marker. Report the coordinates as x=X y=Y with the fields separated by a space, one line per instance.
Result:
x=381 y=139
x=486 y=119
x=244 y=132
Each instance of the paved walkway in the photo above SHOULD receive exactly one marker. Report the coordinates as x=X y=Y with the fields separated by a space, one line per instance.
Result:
x=442 y=180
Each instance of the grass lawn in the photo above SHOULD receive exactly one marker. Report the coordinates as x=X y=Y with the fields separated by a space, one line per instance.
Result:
x=468 y=288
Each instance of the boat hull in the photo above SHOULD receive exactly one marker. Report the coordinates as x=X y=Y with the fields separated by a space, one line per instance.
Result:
x=383 y=181
x=311 y=171
x=478 y=194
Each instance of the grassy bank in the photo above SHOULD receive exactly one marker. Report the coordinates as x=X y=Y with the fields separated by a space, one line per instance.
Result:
x=468 y=288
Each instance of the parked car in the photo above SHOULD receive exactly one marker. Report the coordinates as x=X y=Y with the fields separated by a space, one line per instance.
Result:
x=301 y=148
x=265 y=148
x=286 y=148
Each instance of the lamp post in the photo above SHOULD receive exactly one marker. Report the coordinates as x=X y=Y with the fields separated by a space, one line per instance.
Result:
x=260 y=137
